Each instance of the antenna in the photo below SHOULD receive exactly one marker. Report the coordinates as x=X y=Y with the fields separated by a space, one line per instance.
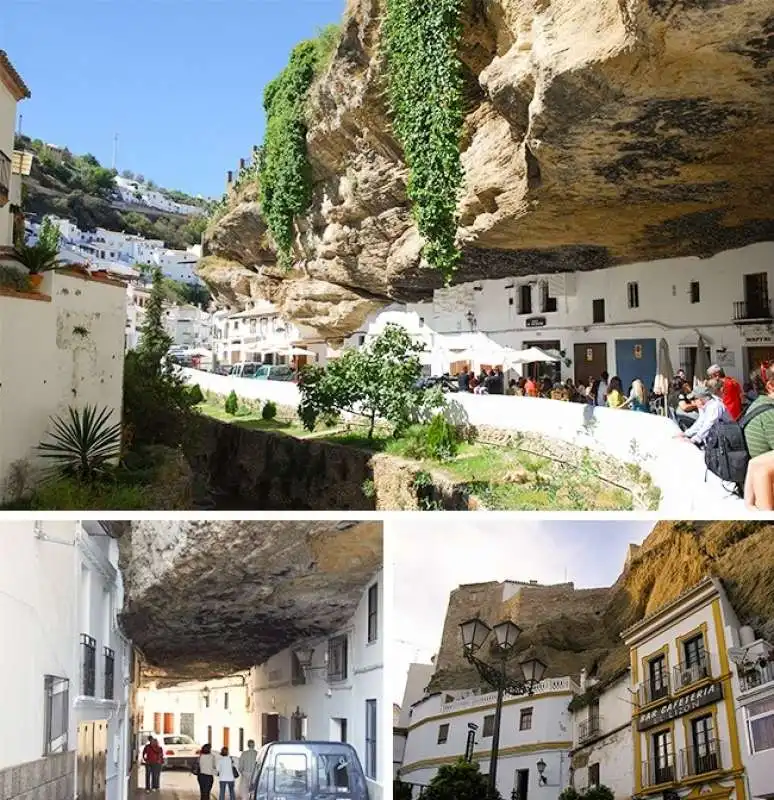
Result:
x=21 y=117
x=115 y=150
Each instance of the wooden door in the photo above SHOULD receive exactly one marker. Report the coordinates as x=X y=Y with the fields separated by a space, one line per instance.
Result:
x=590 y=359
x=269 y=728
x=226 y=737
x=157 y=722
x=169 y=723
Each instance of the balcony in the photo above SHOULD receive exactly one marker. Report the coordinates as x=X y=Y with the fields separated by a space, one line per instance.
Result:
x=700 y=760
x=589 y=728
x=760 y=674
x=654 y=774
x=5 y=178
x=651 y=691
x=752 y=310
x=110 y=669
x=686 y=674
x=88 y=665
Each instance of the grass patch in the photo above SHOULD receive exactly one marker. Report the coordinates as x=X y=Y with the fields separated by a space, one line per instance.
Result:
x=252 y=420
x=69 y=494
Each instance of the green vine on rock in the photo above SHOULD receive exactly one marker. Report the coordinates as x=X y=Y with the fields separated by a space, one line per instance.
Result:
x=424 y=72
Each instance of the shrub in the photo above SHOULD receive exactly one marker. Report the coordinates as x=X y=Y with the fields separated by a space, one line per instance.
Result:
x=14 y=279
x=195 y=395
x=232 y=403
x=442 y=439
x=460 y=781
x=401 y=791
x=269 y=411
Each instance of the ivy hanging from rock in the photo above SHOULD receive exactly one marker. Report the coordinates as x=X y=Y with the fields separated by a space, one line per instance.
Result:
x=424 y=72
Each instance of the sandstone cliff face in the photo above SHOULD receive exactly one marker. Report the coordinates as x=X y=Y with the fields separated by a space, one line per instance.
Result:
x=572 y=630
x=598 y=132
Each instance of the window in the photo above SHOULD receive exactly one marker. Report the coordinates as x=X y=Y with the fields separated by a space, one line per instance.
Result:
x=207 y=700
x=88 y=665
x=333 y=773
x=209 y=734
x=373 y=606
x=703 y=755
x=693 y=650
x=360 y=341
x=488 y=726
x=241 y=739
x=253 y=325
x=443 y=733
x=110 y=661
x=56 y=710
x=337 y=658
x=695 y=292
x=290 y=773
x=297 y=676
x=525 y=299
x=370 y=740
x=760 y=724
x=658 y=684
x=547 y=303
x=525 y=719
x=421 y=322
x=594 y=774
x=633 y=294
x=598 y=311
x=663 y=764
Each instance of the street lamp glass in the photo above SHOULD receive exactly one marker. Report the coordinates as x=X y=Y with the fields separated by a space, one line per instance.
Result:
x=534 y=670
x=541 y=766
x=474 y=633
x=304 y=656
x=507 y=633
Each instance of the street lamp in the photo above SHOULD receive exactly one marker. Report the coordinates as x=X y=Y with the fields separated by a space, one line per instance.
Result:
x=541 y=768
x=474 y=633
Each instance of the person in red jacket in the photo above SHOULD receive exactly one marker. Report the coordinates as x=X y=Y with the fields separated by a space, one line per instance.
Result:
x=153 y=758
x=731 y=394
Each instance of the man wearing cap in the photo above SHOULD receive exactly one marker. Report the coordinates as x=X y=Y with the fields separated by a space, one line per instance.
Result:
x=730 y=393
x=711 y=409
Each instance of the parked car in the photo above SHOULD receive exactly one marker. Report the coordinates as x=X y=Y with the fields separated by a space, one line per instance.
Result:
x=307 y=771
x=274 y=372
x=245 y=369
x=179 y=750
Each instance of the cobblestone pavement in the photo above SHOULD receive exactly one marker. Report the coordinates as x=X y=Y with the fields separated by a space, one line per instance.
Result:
x=175 y=785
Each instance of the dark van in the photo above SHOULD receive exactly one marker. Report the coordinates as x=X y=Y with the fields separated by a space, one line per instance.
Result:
x=307 y=771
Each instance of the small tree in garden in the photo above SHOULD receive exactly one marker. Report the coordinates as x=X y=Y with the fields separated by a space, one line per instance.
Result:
x=377 y=381
x=460 y=781
x=591 y=793
x=232 y=403
x=154 y=340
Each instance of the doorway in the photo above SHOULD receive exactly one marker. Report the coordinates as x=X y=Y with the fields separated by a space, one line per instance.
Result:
x=338 y=729
x=226 y=737
x=538 y=369
x=521 y=784
x=756 y=357
x=169 y=723
x=92 y=760
x=187 y=726
x=635 y=358
x=590 y=361
x=269 y=728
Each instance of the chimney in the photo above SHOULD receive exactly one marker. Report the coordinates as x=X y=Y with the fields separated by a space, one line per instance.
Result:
x=582 y=680
x=229 y=180
x=241 y=164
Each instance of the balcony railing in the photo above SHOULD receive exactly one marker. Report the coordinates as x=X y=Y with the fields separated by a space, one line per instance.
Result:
x=654 y=774
x=110 y=669
x=686 y=674
x=752 y=309
x=589 y=728
x=88 y=665
x=5 y=178
x=651 y=691
x=700 y=760
x=756 y=677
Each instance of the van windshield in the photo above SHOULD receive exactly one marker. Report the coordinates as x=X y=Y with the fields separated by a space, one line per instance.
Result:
x=290 y=770
x=334 y=772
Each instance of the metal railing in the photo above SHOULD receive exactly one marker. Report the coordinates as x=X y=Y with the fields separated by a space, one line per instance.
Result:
x=686 y=674
x=756 y=677
x=654 y=774
x=752 y=309
x=589 y=728
x=5 y=177
x=110 y=668
x=651 y=690
x=88 y=665
x=700 y=760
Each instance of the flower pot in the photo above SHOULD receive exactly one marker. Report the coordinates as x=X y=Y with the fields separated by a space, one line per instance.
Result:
x=36 y=279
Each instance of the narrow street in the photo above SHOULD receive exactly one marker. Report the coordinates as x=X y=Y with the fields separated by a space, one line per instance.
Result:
x=176 y=784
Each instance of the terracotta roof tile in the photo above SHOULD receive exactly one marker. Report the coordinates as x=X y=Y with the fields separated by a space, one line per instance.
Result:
x=7 y=66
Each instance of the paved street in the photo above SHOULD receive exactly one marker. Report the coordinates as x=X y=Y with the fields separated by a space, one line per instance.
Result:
x=176 y=784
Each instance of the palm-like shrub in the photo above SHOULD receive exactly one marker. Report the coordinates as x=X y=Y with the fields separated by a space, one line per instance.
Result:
x=83 y=443
x=40 y=257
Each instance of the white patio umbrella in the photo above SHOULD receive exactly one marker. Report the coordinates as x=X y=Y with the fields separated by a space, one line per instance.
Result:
x=702 y=365
x=533 y=354
x=664 y=373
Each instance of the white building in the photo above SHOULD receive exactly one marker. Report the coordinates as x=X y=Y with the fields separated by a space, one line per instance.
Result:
x=534 y=728
x=65 y=703
x=332 y=689
x=217 y=711
x=258 y=333
x=609 y=319
x=602 y=735
x=754 y=691
x=417 y=680
x=12 y=90
x=133 y=192
x=189 y=326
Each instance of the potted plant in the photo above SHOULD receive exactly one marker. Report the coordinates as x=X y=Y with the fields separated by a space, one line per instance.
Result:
x=37 y=258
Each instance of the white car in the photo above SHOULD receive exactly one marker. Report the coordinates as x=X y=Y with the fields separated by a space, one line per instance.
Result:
x=179 y=750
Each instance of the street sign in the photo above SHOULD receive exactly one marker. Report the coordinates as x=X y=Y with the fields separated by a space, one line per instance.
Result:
x=536 y=322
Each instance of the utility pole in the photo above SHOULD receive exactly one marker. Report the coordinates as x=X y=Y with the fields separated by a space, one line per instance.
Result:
x=21 y=117
x=115 y=150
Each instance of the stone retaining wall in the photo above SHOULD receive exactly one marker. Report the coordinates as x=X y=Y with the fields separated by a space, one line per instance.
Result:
x=50 y=778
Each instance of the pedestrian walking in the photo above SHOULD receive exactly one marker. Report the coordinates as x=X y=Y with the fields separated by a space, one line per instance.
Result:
x=246 y=764
x=153 y=759
x=227 y=774
x=208 y=768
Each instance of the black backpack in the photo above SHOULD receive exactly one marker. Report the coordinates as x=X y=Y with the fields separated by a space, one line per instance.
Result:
x=725 y=448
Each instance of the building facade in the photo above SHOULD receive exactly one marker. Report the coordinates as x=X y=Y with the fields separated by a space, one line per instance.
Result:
x=685 y=730
x=258 y=333
x=12 y=91
x=60 y=592
x=331 y=689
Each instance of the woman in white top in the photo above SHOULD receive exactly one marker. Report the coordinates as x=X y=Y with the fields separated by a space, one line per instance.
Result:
x=208 y=768
x=226 y=775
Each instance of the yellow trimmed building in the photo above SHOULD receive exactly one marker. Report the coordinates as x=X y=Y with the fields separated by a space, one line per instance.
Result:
x=685 y=733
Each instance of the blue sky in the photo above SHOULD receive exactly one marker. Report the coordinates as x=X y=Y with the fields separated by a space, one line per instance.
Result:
x=180 y=81
x=431 y=558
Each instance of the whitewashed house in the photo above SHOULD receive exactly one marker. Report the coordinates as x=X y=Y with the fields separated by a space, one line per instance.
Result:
x=417 y=680
x=12 y=91
x=64 y=711
x=332 y=689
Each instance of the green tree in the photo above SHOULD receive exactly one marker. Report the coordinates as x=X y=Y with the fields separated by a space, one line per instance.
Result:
x=377 y=381
x=154 y=340
x=193 y=229
x=460 y=781
x=49 y=235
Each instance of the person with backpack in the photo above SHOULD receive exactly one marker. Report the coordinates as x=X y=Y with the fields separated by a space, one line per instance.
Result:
x=711 y=410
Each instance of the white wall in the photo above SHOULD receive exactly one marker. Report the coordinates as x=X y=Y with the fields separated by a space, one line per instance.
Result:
x=324 y=702
x=281 y=392
x=7 y=128
x=46 y=366
x=549 y=738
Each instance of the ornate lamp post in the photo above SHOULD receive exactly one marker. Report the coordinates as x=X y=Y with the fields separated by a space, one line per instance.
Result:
x=475 y=633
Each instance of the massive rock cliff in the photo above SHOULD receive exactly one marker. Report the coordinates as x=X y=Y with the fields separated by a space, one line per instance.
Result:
x=572 y=630
x=598 y=132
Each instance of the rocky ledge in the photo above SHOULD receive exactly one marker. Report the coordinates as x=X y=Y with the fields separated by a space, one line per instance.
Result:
x=598 y=132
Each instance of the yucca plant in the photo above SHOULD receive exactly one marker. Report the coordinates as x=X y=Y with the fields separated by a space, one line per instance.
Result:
x=38 y=258
x=83 y=444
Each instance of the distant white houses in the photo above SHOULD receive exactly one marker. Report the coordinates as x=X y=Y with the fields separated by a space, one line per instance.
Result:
x=134 y=192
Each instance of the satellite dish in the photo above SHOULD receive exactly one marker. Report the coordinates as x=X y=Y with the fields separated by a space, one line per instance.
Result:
x=737 y=654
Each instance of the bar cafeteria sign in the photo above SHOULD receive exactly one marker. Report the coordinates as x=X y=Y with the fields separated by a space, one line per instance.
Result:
x=683 y=705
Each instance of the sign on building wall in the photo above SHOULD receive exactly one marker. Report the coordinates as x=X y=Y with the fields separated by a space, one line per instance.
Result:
x=536 y=322
x=638 y=351
x=758 y=334
x=683 y=705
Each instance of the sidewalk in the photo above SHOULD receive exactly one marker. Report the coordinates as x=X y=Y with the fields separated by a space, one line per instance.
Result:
x=175 y=785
